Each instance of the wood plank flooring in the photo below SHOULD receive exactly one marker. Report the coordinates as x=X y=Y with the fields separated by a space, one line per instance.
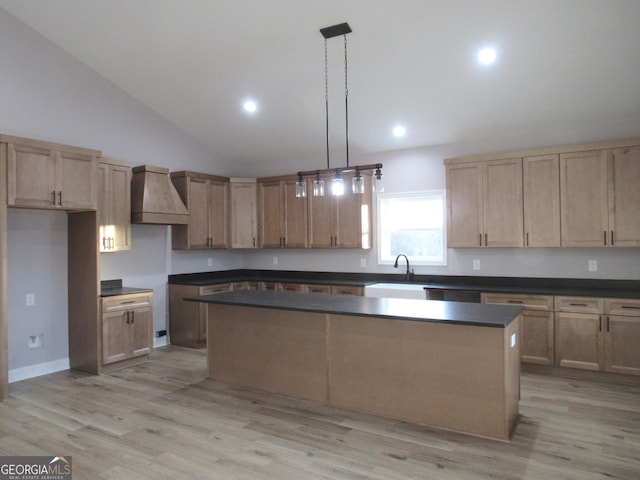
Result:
x=164 y=420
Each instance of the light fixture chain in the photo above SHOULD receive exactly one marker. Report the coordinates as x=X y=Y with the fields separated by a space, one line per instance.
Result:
x=346 y=99
x=326 y=97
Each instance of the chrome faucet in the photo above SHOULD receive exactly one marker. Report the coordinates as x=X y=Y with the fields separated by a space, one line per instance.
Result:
x=408 y=276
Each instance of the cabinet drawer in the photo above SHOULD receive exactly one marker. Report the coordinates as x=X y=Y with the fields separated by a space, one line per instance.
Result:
x=125 y=302
x=579 y=304
x=209 y=289
x=622 y=306
x=530 y=302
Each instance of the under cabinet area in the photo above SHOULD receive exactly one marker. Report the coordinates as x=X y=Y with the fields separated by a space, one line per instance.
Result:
x=537 y=324
x=127 y=327
x=114 y=205
x=48 y=175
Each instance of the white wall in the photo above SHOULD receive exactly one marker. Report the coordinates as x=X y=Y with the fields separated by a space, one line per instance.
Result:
x=46 y=94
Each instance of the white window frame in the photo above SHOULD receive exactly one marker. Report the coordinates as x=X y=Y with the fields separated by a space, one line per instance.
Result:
x=380 y=231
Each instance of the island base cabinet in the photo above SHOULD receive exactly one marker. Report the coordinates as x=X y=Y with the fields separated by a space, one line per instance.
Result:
x=456 y=377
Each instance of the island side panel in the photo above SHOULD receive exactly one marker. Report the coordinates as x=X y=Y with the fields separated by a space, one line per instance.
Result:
x=512 y=361
x=277 y=351
x=444 y=375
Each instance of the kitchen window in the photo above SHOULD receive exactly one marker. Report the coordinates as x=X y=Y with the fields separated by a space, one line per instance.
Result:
x=412 y=223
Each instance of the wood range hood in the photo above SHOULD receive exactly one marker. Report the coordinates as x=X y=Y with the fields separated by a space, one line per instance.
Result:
x=154 y=199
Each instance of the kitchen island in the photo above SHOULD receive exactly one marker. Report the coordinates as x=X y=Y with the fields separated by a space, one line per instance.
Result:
x=445 y=364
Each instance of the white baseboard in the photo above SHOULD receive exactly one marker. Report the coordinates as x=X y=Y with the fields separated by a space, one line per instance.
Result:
x=31 y=371
x=160 y=342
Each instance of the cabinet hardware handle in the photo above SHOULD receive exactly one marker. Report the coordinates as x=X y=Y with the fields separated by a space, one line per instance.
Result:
x=578 y=304
x=612 y=242
x=630 y=307
x=515 y=301
x=60 y=198
x=128 y=319
x=480 y=239
x=254 y=241
x=104 y=242
x=605 y=237
x=128 y=301
x=113 y=243
x=599 y=323
x=607 y=324
x=486 y=239
x=527 y=239
x=53 y=197
x=133 y=317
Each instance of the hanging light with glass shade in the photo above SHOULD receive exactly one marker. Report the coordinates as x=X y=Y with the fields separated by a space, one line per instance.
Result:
x=337 y=182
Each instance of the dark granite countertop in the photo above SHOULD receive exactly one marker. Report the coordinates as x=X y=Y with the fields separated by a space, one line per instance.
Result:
x=112 y=288
x=499 y=316
x=522 y=285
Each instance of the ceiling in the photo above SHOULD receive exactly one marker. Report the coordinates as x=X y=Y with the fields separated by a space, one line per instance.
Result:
x=411 y=62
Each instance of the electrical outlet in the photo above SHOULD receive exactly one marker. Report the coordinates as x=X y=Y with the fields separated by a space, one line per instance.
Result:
x=593 y=265
x=476 y=264
x=36 y=341
x=209 y=262
x=363 y=262
x=31 y=299
x=275 y=259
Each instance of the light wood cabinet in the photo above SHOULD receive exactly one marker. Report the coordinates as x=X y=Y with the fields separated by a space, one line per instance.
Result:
x=282 y=217
x=622 y=337
x=579 y=334
x=537 y=324
x=624 y=197
x=114 y=205
x=206 y=198
x=50 y=176
x=341 y=221
x=243 y=213
x=541 y=191
x=485 y=204
x=127 y=327
x=188 y=320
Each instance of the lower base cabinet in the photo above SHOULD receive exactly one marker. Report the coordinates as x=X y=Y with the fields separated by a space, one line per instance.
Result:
x=622 y=336
x=127 y=327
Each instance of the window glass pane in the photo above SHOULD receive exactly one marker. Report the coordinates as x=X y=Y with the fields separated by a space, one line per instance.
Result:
x=412 y=224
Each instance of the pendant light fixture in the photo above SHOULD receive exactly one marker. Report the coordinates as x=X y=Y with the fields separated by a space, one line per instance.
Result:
x=337 y=183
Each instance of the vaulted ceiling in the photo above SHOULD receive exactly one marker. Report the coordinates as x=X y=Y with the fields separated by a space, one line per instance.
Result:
x=410 y=62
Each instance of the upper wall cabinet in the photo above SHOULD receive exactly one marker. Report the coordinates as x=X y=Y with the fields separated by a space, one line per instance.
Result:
x=114 y=205
x=243 y=213
x=205 y=196
x=600 y=198
x=51 y=176
x=484 y=204
x=573 y=196
x=341 y=221
x=541 y=190
x=282 y=217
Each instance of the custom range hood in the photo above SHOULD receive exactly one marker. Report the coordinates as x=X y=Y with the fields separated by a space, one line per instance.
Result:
x=154 y=199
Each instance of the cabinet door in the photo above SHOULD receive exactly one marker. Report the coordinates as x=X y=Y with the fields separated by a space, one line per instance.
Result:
x=622 y=354
x=140 y=331
x=198 y=205
x=294 y=217
x=464 y=205
x=541 y=190
x=538 y=337
x=502 y=203
x=243 y=214
x=624 y=197
x=120 y=206
x=115 y=336
x=77 y=176
x=579 y=341
x=31 y=176
x=271 y=215
x=218 y=214
x=583 y=199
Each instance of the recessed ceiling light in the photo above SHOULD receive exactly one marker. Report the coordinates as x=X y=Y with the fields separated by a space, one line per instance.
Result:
x=487 y=56
x=250 y=106
x=399 y=131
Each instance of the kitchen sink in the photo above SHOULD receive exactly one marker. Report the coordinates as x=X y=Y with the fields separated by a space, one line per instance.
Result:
x=395 y=290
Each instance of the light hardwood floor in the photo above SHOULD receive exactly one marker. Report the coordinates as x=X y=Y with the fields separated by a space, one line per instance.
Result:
x=164 y=420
